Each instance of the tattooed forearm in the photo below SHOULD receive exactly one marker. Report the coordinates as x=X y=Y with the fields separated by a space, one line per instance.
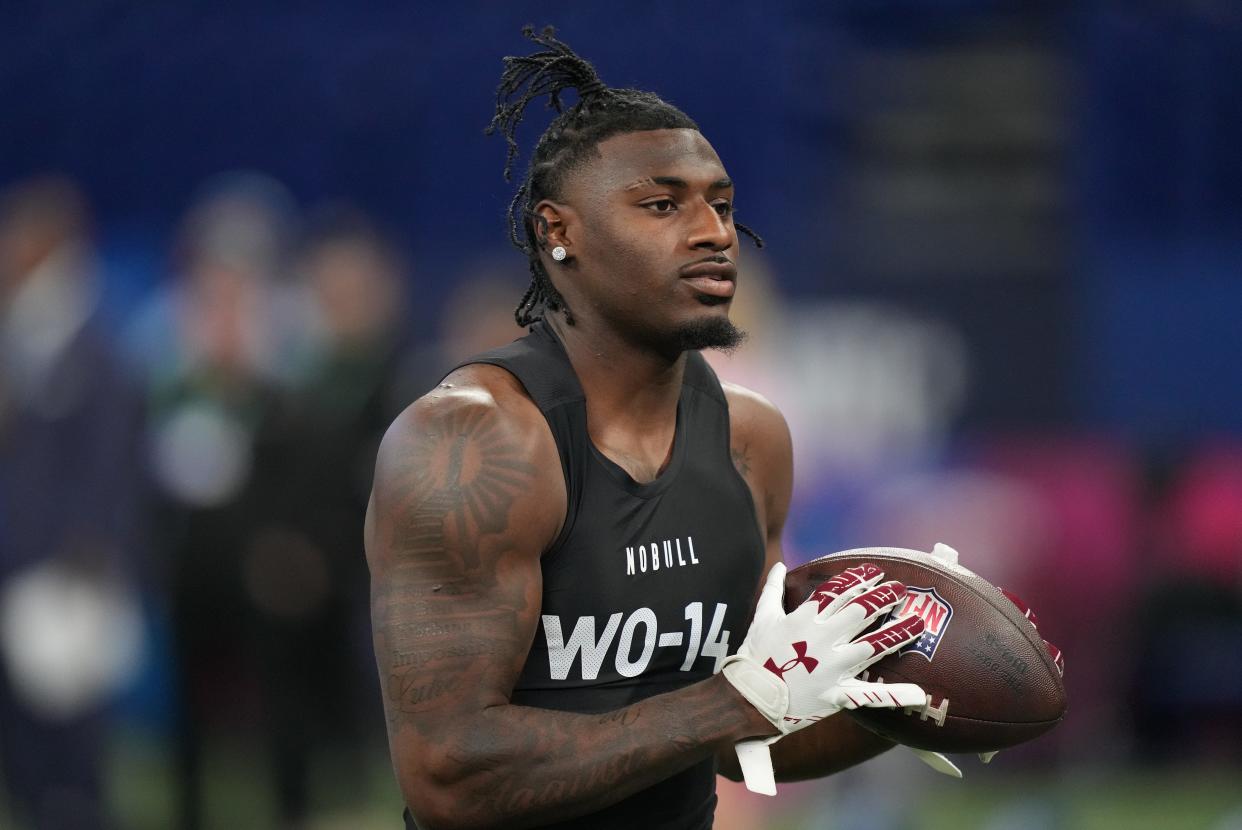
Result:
x=575 y=764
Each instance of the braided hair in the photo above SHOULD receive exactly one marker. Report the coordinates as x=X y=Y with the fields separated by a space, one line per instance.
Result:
x=599 y=113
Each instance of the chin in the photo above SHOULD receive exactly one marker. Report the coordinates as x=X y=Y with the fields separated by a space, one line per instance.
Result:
x=708 y=332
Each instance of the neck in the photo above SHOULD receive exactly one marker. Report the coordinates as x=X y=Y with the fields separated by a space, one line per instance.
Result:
x=624 y=383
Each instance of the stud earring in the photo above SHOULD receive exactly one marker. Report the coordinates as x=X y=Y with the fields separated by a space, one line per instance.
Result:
x=559 y=253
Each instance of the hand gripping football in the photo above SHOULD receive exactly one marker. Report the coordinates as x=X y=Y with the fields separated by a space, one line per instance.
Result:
x=991 y=680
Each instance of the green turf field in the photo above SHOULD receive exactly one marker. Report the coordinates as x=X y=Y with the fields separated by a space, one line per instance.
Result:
x=238 y=795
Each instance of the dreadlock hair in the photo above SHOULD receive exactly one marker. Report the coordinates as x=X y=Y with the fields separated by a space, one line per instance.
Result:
x=599 y=113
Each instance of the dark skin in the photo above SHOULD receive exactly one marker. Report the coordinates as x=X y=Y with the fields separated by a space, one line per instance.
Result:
x=469 y=494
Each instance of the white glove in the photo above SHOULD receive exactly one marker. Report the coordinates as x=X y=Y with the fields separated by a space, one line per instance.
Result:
x=801 y=667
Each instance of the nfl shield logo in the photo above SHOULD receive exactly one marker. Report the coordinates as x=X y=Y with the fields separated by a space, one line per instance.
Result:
x=936 y=613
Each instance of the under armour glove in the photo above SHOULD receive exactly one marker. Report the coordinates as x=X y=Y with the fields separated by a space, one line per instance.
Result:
x=801 y=667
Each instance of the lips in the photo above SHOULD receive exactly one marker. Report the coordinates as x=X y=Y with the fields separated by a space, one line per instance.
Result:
x=712 y=277
x=711 y=268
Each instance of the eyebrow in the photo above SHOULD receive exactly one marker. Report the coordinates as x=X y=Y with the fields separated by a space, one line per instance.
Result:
x=674 y=181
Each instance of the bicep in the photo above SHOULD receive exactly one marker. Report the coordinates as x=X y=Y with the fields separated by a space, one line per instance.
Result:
x=458 y=518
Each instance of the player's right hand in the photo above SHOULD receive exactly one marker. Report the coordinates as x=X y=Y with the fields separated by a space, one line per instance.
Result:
x=801 y=667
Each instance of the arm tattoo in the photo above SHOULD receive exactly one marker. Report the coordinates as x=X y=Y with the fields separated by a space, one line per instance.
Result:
x=462 y=480
x=436 y=612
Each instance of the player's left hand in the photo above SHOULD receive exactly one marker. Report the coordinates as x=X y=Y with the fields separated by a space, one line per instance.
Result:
x=825 y=635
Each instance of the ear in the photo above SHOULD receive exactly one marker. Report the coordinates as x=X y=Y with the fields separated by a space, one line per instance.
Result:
x=554 y=224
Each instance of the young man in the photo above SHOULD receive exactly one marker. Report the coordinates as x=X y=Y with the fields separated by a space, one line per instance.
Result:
x=566 y=536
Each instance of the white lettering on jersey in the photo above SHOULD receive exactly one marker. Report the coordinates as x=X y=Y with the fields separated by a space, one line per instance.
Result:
x=561 y=654
x=647 y=618
x=644 y=557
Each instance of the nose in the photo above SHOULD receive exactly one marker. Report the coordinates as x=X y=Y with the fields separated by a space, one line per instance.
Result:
x=710 y=231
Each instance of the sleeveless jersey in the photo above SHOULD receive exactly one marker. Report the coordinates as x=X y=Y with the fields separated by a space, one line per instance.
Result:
x=649 y=586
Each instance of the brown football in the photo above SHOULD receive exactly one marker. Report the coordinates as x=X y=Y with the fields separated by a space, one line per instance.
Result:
x=990 y=680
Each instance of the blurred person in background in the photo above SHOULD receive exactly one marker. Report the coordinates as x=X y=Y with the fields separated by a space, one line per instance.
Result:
x=304 y=571
x=69 y=496
x=216 y=348
x=477 y=315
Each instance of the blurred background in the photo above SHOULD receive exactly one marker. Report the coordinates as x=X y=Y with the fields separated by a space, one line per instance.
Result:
x=999 y=306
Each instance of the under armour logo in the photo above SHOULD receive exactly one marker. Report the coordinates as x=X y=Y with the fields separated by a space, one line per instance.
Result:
x=800 y=650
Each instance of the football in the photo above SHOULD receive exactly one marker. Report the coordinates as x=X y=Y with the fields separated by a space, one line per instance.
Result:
x=991 y=680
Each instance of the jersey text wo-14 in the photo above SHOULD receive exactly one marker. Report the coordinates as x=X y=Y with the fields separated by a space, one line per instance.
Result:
x=625 y=631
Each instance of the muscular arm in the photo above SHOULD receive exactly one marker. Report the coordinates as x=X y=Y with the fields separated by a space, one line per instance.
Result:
x=763 y=454
x=468 y=493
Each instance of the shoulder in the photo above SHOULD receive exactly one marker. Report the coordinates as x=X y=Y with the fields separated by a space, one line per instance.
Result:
x=478 y=450
x=753 y=418
x=472 y=400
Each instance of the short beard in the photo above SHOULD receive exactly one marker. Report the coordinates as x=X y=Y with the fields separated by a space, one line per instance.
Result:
x=712 y=333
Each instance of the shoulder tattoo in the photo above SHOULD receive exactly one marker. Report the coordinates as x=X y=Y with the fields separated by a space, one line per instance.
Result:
x=459 y=482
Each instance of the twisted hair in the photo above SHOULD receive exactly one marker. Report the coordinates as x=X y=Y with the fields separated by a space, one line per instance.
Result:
x=599 y=112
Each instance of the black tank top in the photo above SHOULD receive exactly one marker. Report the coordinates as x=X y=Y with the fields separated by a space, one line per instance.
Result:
x=648 y=586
